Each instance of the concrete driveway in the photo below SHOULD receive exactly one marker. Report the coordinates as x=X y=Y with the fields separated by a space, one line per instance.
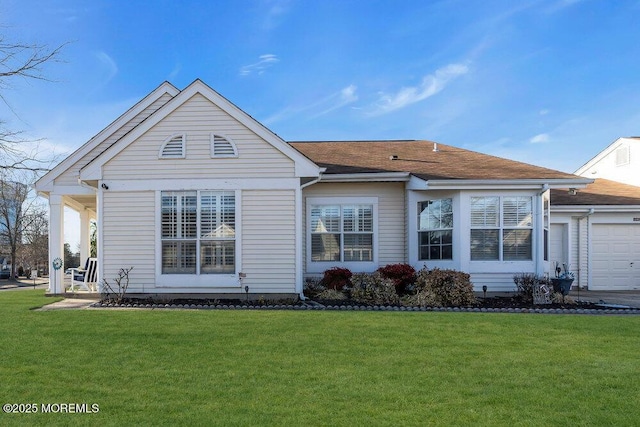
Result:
x=628 y=298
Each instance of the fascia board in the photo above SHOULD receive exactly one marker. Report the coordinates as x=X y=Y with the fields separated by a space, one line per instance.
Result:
x=46 y=182
x=303 y=165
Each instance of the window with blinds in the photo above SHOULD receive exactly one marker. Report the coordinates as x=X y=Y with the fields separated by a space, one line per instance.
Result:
x=341 y=233
x=173 y=147
x=222 y=146
x=501 y=228
x=198 y=232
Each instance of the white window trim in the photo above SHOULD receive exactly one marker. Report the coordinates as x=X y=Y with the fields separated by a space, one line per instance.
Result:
x=210 y=281
x=167 y=141
x=355 y=266
x=212 y=137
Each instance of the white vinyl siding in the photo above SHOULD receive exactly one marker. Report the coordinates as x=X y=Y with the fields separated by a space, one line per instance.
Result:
x=269 y=240
x=198 y=117
x=129 y=238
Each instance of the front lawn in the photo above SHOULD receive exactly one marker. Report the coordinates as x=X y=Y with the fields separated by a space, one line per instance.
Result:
x=242 y=367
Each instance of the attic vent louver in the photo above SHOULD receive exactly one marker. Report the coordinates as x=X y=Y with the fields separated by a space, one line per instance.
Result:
x=622 y=156
x=173 y=147
x=222 y=147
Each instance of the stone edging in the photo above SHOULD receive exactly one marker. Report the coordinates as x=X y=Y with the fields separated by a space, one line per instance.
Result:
x=319 y=307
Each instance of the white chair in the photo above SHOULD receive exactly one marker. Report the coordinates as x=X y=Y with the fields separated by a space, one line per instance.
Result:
x=85 y=278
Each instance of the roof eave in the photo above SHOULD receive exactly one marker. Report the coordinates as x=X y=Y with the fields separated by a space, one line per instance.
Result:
x=367 y=177
x=487 y=184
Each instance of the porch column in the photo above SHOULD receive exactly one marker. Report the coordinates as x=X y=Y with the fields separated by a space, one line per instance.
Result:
x=56 y=243
x=85 y=246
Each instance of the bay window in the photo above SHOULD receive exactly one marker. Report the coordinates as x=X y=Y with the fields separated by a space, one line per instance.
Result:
x=501 y=228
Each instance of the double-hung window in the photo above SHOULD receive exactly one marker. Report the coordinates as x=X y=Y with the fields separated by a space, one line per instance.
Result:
x=198 y=232
x=435 y=229
x=501 y=228
x=341 y=232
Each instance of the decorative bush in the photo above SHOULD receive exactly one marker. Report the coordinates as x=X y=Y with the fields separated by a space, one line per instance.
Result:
x=312 y=287
x=331 y=295
x=526 y=282
x=336 y=278
x=424 y=298
x=445 y=288
x=402 y=275
x=373 y=289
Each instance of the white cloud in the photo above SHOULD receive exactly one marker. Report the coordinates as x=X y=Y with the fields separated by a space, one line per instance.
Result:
x=176 y=70
x=265 y=61
x=331 y=102
x=275 y=13
x=540 y=138
x=109 y=64
x=431 y=84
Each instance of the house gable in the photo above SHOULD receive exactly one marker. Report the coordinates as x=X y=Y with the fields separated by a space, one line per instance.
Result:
x=197 y=125
x=618 y=162
x=204 y=112
x=67 y=172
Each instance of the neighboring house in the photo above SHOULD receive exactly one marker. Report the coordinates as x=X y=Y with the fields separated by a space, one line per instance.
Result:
x=596 y=231
x=619 y=162
x=200 y=198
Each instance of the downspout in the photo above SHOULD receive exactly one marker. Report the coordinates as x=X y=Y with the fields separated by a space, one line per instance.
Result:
x=540 y=233
x=302 y=187
x=580 y=218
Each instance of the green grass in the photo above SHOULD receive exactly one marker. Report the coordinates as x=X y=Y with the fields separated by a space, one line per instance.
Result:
x=155 y=367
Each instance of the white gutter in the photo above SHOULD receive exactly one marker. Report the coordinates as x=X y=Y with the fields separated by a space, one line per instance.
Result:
x=600 y=208
x=364 y=177
x=482 y=184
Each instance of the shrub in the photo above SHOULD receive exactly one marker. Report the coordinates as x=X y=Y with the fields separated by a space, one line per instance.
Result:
x=336 y=278
x=424 y=298
x=331 y=294
x=373 y=289
x=402 y=275
x=312 y=287
x=526 y=282
x=446 y=288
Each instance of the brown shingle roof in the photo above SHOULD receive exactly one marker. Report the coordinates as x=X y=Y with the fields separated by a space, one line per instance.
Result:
x=418 y=158
x=601 y=192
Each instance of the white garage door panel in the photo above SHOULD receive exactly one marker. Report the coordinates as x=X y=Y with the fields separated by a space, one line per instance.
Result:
x=615 y=260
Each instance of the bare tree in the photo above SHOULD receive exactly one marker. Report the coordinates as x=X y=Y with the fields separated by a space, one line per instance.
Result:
x=33 y=252
x=12 y=196
x=21 y=61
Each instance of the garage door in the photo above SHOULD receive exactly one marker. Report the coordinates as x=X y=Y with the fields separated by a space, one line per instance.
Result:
x=616 y=256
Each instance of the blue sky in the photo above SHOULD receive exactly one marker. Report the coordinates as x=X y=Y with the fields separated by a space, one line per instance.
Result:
x=549 y=82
